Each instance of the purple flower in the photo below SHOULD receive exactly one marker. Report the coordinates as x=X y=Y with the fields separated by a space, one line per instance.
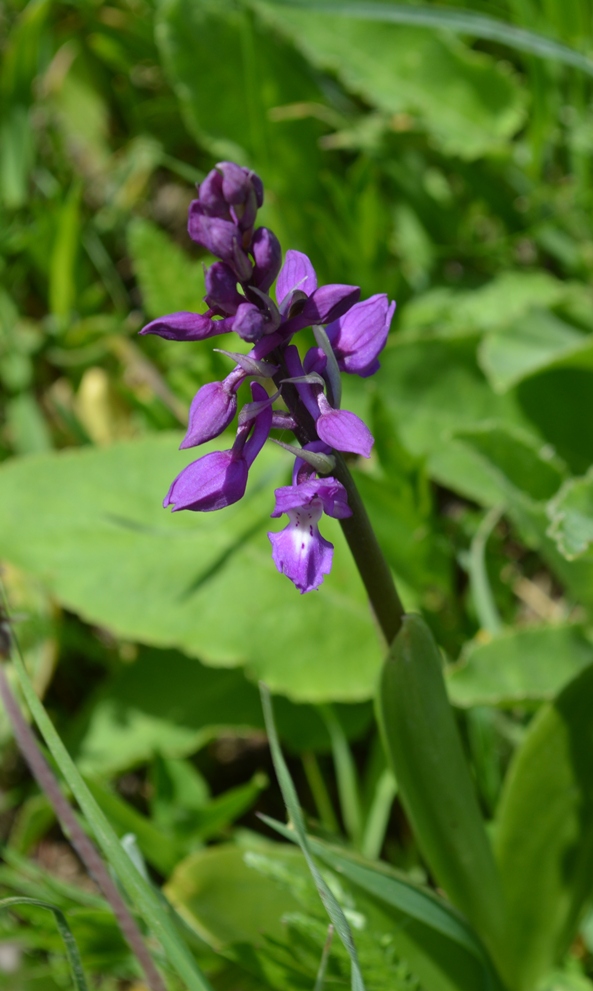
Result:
x=219 y=479
x=299 y=551
x=358 y=337
x=222 y=220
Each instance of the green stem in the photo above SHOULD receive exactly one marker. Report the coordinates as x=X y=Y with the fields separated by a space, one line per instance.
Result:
x=364 y=546
x=374 y=570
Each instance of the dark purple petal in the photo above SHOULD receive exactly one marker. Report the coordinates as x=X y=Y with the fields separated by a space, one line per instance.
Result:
x=266 y=250
x=212 y=482
x=221 y=289
x=249 y=323
x=359 y=335
x=221 y=237
x=325 y=305
x=296 y=273
x=307 y=393
x=185 y=326
x=262 y=425
x=345 y=432
x=300 y=552
x=236 y=185
x=212 y=409
x=258 y=186
x=329 y=302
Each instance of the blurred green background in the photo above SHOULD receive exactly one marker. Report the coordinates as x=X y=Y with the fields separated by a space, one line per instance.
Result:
x=449 y=171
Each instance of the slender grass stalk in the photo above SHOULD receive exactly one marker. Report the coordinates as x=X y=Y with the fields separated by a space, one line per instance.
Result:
x=85 y=849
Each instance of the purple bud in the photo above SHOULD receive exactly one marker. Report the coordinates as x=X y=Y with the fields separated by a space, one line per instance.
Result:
x=222 y=294
x=266 y=250
x=213 y=408
x=212 y=482
x=343 y=430
x=221 y=237
x=241 y=193
x=249 y=322
x=359 y=336
x=296 y=273
x=185 y=326
x=211 y=196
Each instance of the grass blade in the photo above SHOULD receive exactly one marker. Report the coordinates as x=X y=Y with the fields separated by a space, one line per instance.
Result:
x=70 y=946
x=333 y=908
x=142 y=894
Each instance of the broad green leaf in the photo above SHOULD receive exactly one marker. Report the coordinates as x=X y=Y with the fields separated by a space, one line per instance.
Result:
x=518 y=464
x=90 y=524
x=434 y=388
x=544 y=834
x=559 y=404
x=467 y=103
x=169 y=280
x=518 y=666
x=505 y=299
x=225 y=900
x=571 y=515
x=537 y=341
x=433 y=777
x=460 y=21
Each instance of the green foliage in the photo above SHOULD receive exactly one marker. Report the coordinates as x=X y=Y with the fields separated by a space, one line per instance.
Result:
x=424 y=747
x=544 y=833
x=437 y=152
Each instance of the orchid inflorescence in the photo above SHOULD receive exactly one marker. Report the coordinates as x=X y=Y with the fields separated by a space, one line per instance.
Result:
x=349 y=337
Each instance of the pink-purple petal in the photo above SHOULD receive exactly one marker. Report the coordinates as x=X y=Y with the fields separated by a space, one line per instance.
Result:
x=300 y=552
x=213 y=408
x=185 y=326
x=296 y=273
x=212 y=482
x=345 y=431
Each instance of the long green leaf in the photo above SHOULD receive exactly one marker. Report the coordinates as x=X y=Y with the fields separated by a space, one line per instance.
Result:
x=144 y=897
x=332 y=906
x=458 y=21
x=72 y=954
x=423 y=744
x=545 y=833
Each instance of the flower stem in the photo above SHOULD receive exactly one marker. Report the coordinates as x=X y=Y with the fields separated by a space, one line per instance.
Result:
x=364 y=546
x=373 y=568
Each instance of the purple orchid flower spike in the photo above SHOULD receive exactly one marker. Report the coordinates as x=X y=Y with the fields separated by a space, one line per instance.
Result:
x=222 y=219
x=299 y=551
